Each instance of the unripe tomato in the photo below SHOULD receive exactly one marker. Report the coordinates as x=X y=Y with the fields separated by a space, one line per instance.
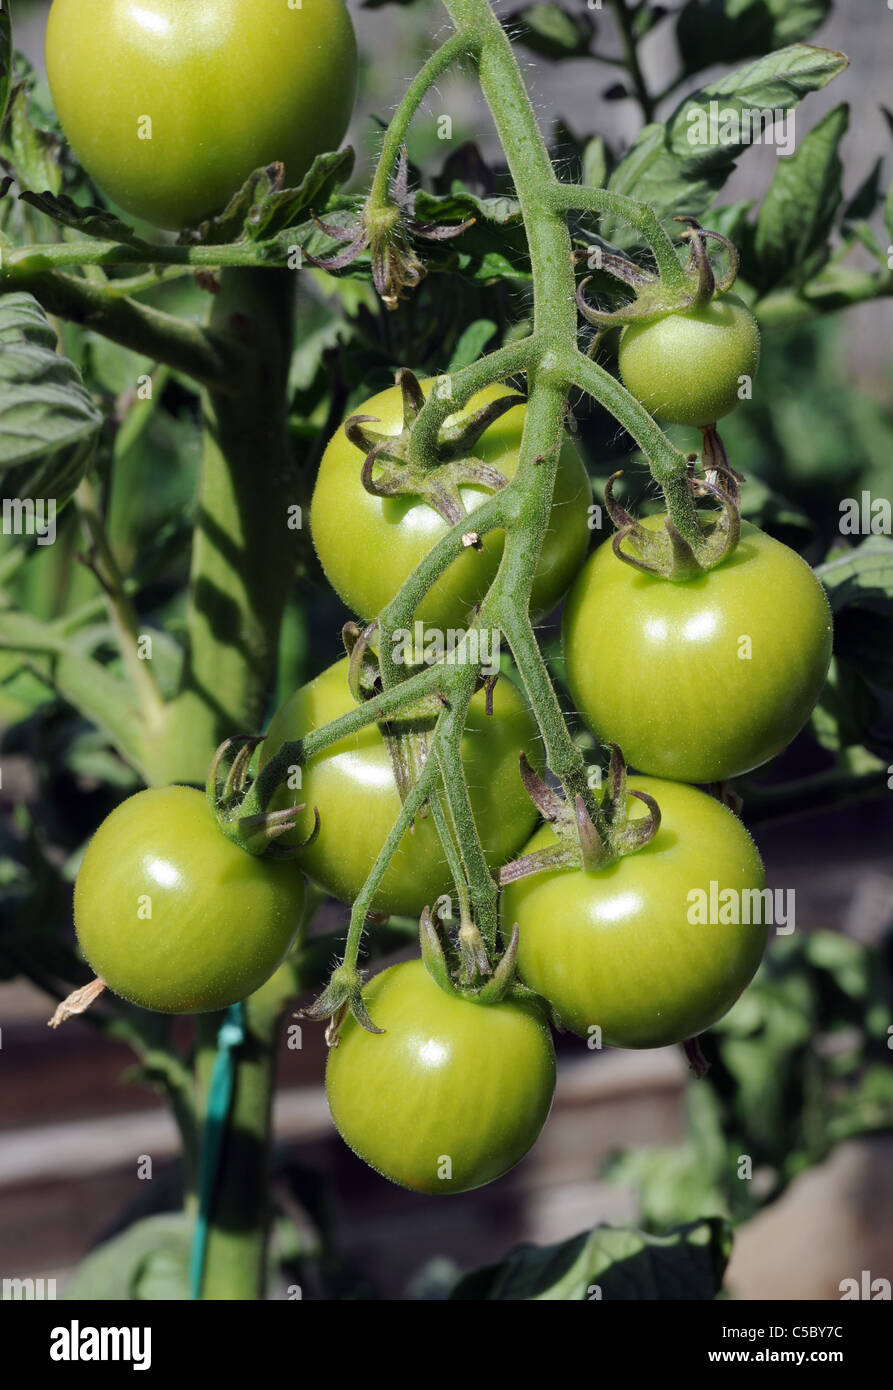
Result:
x=369 y=546
x=623 y=949
x=451 y=1095
x=171 y=104
x=704 y=679
x=352 y=785
x=175 y=917
x=686 y=368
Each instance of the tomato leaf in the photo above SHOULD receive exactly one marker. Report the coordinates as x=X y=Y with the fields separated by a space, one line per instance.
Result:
x=148 y=1260
x=5 y=62
x=862 y=576
x=865 y=199
x=763 y=507
x=459 y=205
x=860 y=588
x=89 y=221
x=471 y=344
x=595 y=163
x=791 y=238
x=848 y=712
x=679 y=167
x=48 y=421
x=611 y=1264
x=29 y=151
x=551 y=31
x=776 y=1093
x=725 y=31
x=888 y=212
x=262 y=209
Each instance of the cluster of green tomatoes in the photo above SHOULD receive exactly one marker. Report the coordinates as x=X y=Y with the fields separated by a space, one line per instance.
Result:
x=697 y=681
x=453 y=1092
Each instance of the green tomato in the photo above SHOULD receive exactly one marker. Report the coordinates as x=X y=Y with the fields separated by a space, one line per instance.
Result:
x=451 y=1095
x=352 y=785
x=686 y=368
x=171 y=104
x=175 y=917
x=369 y=546
x=704 y=679
x=631 y=948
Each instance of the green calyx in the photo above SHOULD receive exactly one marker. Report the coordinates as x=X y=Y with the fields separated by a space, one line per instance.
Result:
x=580 y=842
x=653 y=297
x=388 y=472
x=385 y=230
x=458 y=962
x=405 y=736
x=665 y=551
x=228 y=782
x=343 y=993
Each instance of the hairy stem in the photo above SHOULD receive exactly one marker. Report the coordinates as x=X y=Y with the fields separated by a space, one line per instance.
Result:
x=668 y=464
x=625 y=17
x=571 y=197
x=431 y=681
x=238 y=1232
x=120 y=609
x=362 y=905
x=456 y=46
x=247 y=534
x=448 y=754
x=210 y=360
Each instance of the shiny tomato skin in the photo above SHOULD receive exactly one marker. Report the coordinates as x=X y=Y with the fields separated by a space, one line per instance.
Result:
x=175 y=917
x=230 y=86
x=451 y=1095
x=352 y=785
x=686 y=368
x=368 y=546
x=705 y=679
x=615 y=949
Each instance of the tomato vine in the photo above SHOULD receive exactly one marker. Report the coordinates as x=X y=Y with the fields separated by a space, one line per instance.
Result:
x=244 y=556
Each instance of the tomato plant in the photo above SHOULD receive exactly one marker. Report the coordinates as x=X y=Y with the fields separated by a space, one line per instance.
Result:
x=171 y=104
x=370 y=545
x=184 y=418
x=171 y=915
x=625 y=948
x=713 y=675
x=352 y=786
x=691 y=368
x=451 y=1095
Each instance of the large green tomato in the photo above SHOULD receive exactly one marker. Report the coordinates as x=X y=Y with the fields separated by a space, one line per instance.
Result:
x=352 y=785
x=633 y=949
x=704 y=679
x=171 y=104
x=369 y=546
x=175 y=917
x=686 y=368
x=451 y=1095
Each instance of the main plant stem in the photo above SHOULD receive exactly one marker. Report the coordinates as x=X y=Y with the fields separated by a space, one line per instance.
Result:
x=243 y=566
x=239 y=1222
x=246 y=536
x=552 y=364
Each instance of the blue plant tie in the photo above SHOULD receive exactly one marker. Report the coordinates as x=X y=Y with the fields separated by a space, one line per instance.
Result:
x=230 y=1036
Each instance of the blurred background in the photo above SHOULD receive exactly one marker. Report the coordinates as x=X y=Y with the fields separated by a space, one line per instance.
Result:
x=800 y=1076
